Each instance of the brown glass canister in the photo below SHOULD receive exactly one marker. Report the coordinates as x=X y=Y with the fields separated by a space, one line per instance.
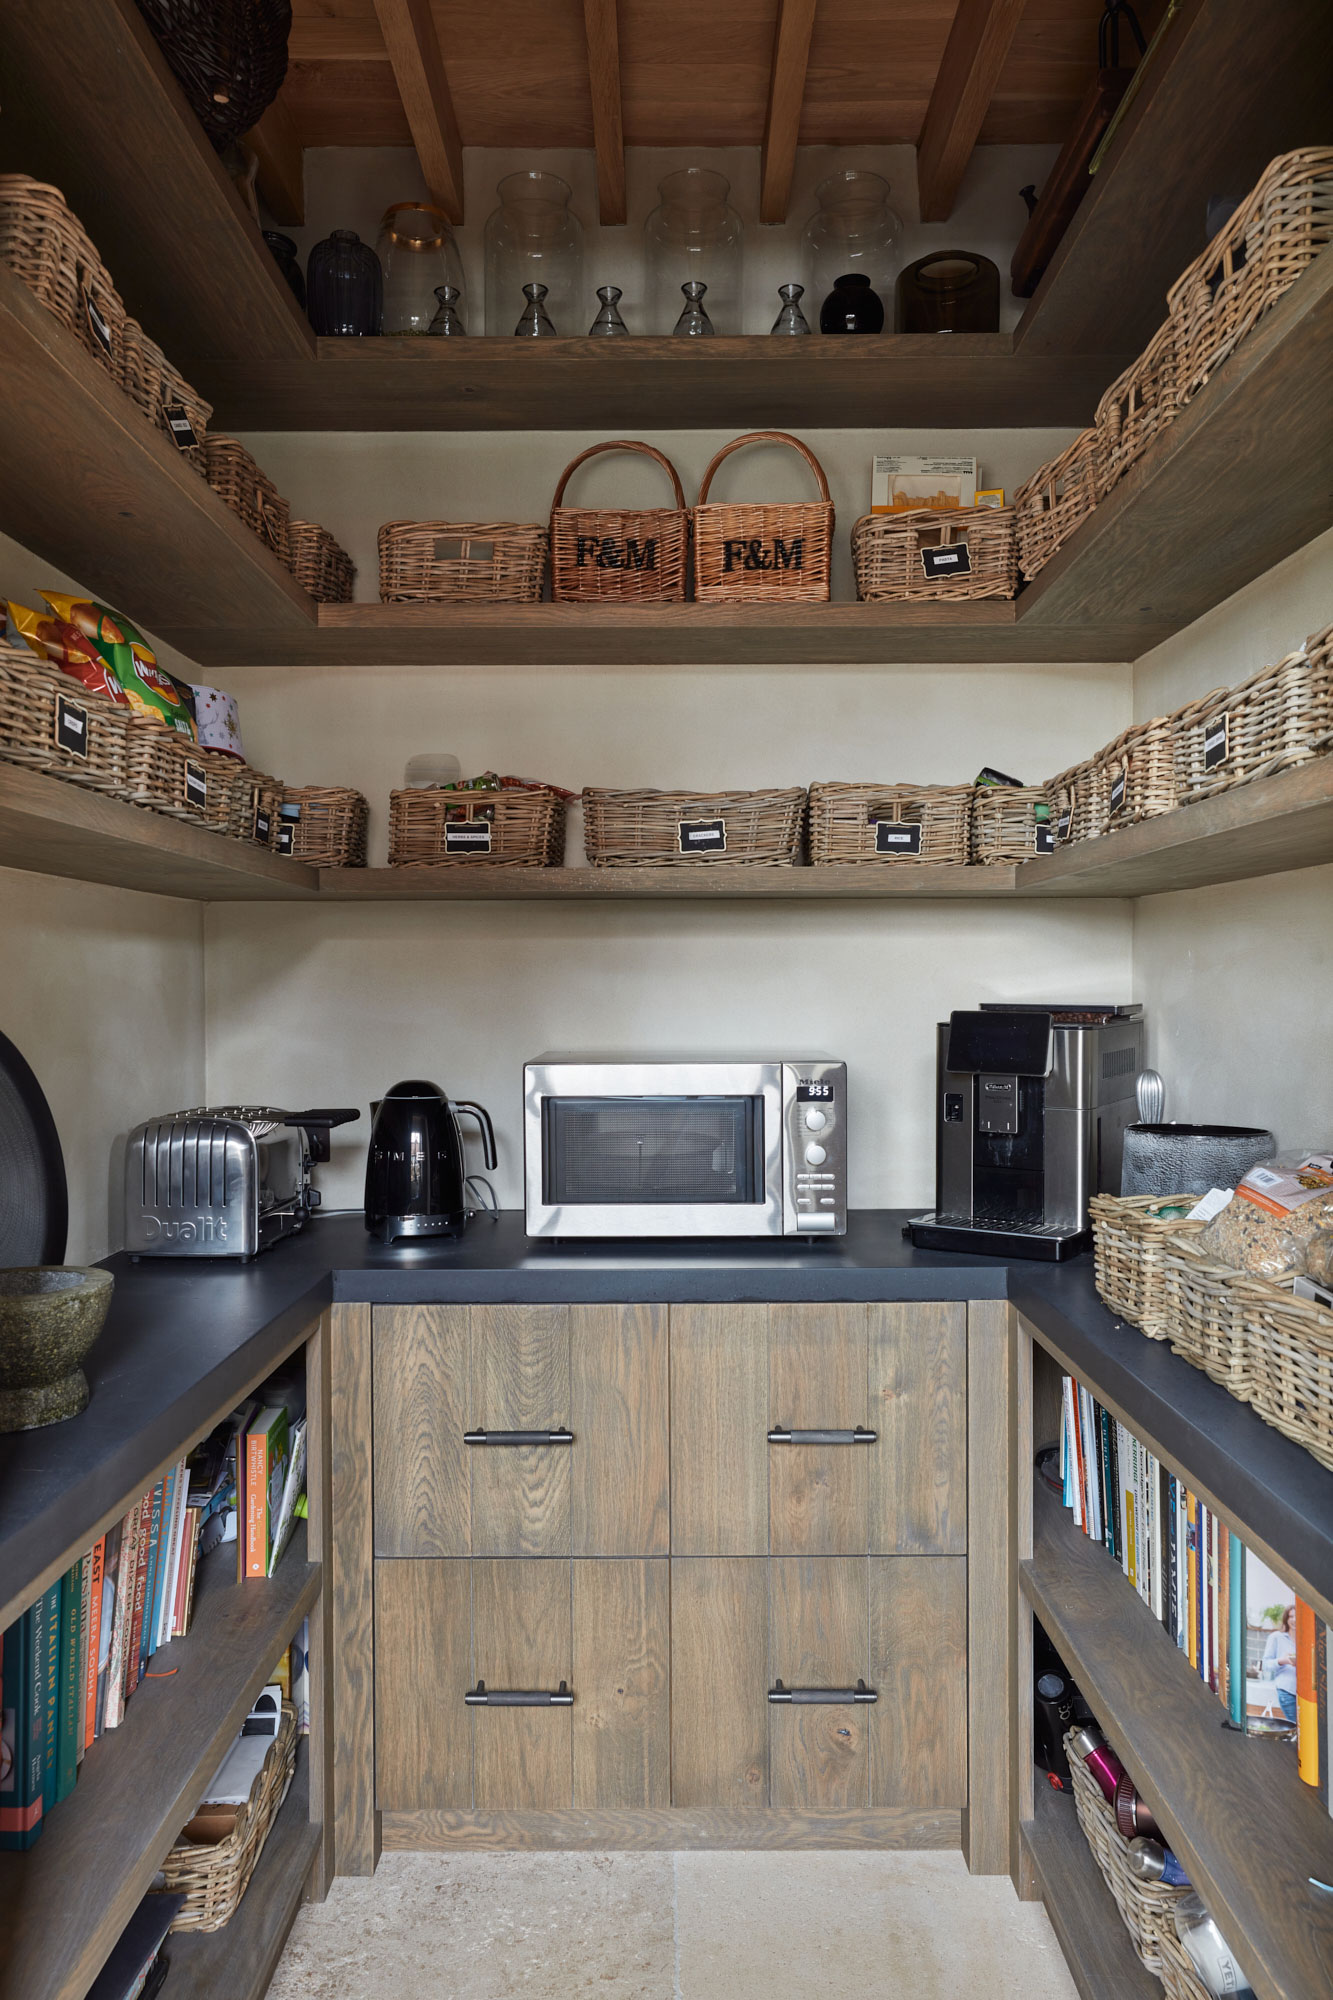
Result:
x=950 y=291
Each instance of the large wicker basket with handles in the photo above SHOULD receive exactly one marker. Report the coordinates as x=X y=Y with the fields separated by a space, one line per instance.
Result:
x=619 y=555
x=1290 y=1350
x=49 y=722
x=1139 y=403
x=648 y=829
x=242 y=484
x=904 y=556
x=438 y=826
x=319 y=564
x=1049 y=506
x=44 y=243
x=1138 y=773
x=163 y=394
x=763 y=552
x=461 y=562
x=1205 y=1314
x=1011 y=823
x=1147 y=1909
x=1130 y=1234
x=1281 y=716
x=214 y=1879
x=323 y=825
x=878 y=824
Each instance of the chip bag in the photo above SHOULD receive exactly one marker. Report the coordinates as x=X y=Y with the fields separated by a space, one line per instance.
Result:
x=149 y=688
x=63 y=645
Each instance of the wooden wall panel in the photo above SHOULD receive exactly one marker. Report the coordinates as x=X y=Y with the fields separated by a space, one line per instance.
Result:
x=818 y=1637
x=423 y=1669
x=991 y=1582
x=522 y=1757
x=621 y=1487
x=356 y=1822
x=719 y=1693
x=719 y=1430
x=918 y=1403
x=817 y=1381
x=422 y=1475
x=520 y=1381
x=918 y=1662
x=622 y=1711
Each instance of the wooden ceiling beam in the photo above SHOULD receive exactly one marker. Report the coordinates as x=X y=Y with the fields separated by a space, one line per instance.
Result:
x=319 y=38
x=973 y=58
x=281 y=177
x=602 y=28
x=418 y=67
x=786 y=92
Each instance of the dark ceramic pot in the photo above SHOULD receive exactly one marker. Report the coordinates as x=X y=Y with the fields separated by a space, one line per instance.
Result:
x=50 y=1315
x=853 y=306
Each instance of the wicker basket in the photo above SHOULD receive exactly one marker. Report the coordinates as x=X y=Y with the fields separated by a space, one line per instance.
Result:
x=757 y=552
x=149 y=379
x=229 y=57
x=619 y=555
x=250 y=493
x=330 y=829
x=887 y=550
x=1139 y=403
x=40 y=709
x=437 y=827
x=46 y=245
x=461 y=562
x=1281 y=226
x=1146 y=1908
x=1291 y=1363
x=1129 y=1238
x=1011 y=823
x=1138 y=771
x=319 y=564
x=1049 y=506
x=1281 y=716
x=1179 y=1979
x=214 y=1879
x=254 y=806
x=890 y=823
x=197 y=784
x=693 y=829
x=1206 y=1315
x=1081 y=801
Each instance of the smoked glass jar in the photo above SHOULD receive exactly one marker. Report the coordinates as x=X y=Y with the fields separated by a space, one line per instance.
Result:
x=344 y=287
x=951 y=291
x=694 y=236
x=417 y=254
x=853 y=232
x=534 y=238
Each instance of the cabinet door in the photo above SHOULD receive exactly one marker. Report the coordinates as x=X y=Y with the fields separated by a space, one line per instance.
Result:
x=819 y=1638
x=520 y=1382
x=522 y=1757
x=622 y=1706
x=918 y=1398
x=618 y=1414
x=918 y=1662
x=719 y=1690
x=719 y=1430
x=423 y=1727
x=817 y=1493
x=421 y=1396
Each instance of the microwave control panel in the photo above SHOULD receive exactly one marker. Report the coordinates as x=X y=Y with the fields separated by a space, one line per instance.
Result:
x=814 y=1148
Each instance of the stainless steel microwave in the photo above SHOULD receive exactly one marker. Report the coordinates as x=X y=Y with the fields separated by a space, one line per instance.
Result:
x=685 y=1146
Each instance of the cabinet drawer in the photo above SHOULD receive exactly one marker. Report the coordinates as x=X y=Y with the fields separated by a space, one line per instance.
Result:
x=750 y=1384
x=497 y=1630
x=819 y=1626
x=473 y=1407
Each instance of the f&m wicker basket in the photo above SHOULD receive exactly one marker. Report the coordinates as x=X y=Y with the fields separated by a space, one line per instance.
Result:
x=50 y=723
x=328 y=827
x=1011 y=823
x=1281 y=716
x=1278 y=230
x=163 y=394
x=763 y=552
x=648 y=829
x=1139 y=403
x=906 y=556
x=461 y=562
x=889 y=823
x=1130 y=1234
x=1147 y=1909
x=214 y=1879
x=1138 y=772
x=44 y=243
x=439 y=827
x=249 y=492
x=1049 y=506
x=624 y=555
x=319 y=564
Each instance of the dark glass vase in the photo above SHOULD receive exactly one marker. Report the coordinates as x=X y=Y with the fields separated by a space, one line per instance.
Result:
x=284 y=256
x=345 y=285
x=853 y=306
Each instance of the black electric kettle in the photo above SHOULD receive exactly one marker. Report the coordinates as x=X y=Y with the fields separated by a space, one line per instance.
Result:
x=415 y=1171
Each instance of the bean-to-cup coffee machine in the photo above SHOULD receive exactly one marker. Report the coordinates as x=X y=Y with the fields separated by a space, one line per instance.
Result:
x=1031 y=1109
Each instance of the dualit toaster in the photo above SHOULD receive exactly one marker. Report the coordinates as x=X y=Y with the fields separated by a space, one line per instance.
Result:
x=222 y=1183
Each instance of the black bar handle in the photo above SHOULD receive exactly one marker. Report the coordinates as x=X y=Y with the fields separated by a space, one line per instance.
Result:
x=825 y=1697
x=781 y=1435
x=483 y=1697
x=560 y=1435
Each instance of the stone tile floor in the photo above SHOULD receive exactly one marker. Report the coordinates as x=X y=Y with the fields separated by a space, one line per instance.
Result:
x=697 y=1926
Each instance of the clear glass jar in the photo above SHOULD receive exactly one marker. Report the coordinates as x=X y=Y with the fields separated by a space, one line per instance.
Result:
x=417 y=253
x=694 y=235
x=853 y=230
x=534 y=238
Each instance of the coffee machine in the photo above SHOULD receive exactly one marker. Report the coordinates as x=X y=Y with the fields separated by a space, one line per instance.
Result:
x=1031 y=1108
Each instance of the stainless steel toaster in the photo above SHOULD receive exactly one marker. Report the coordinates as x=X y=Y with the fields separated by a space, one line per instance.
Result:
x=226 y=1182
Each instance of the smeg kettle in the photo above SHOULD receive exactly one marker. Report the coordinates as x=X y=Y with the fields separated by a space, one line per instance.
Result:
x=415 y=1170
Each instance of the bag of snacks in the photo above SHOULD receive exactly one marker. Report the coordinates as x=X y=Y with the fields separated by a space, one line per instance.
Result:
x=63 y=645
x=1279 y=1207
x=149 y=688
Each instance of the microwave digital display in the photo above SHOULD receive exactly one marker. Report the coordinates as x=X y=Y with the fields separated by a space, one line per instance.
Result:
x=814 y=1093
x=627 y=1151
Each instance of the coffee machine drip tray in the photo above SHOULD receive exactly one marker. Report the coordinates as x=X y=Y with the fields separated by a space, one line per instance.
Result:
x=1048 y=1243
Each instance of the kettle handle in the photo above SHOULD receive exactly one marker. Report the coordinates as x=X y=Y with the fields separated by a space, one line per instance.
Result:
x=483 y=1119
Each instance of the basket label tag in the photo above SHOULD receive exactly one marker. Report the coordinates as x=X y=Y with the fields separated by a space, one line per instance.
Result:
x=286 y=841
x=610 y=552
x=1118 y=784
x=179 y=428
x=468 y=836
x=196 y=786
x=1216 y=742
x=1045 y=838
x=953 y=561
x=263 y=824
x=897 y=836
x=746 y=552
x=71 y=727
x=101 y=331
x=701 y=836
x=1065 y=821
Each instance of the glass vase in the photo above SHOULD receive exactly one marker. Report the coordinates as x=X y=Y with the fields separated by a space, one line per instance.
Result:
x=448 y=319
x=608 y=324
x=284 y=256
x=417 y=254
x=694 y=236
x=791 y=319
x=853 y=232
x=344 y=286
x=534 y=238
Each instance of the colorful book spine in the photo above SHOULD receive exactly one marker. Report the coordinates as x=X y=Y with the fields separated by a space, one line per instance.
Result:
x=156 y=1516
x=85 y=1599
x=134 y=1635
x=1236 y=1692
x=23 y=1772
x=165 y=1508
x=1321 y=1705
x=110 y=1572
x=1307 y=1709
x=1192 y=1516
x=114 y=1707
x=1223 y=1617
x=50 y=1692
x=168 y=1594
x=67 y=1719
x=92 y=1650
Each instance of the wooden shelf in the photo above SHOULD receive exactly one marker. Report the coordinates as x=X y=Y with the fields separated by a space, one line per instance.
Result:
x=1102 y=1962
x=1216 y=104
x=237 y=1962
x=1248 y=1832
x=64 y=1903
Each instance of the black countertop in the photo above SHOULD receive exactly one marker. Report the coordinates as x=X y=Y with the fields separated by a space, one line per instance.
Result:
x=185 y=1339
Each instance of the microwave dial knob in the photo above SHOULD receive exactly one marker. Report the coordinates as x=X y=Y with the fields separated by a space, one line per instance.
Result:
x=815 y=1121
x=815 y=1156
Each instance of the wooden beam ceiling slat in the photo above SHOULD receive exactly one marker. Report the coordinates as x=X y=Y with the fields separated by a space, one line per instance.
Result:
x=974 y=57
x=786 y=94
x=602 y=28
x=418 y=68
x=277 y=143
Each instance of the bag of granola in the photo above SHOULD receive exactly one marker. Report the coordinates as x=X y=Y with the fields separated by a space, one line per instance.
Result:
x=1279 y=1207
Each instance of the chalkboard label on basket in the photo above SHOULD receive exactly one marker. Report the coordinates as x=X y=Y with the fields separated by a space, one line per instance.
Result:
x=101 y=331
x=953 y=561
x=1046 y=839
x=179 y=428
x=1118 y=784
x=196 y=786
x=897 y=836
x=701 y=836
x=468 y=836
x=1065 y=821
x=263 y=825
x=71 y=727
x=286 y=842
x=1216 y=742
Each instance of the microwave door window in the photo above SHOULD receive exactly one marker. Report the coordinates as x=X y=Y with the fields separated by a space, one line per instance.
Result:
x=631 y=1151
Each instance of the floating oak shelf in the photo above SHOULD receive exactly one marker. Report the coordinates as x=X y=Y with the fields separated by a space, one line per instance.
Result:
x=1102 y=1962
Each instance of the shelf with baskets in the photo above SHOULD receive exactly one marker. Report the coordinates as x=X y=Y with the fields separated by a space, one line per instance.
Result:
x=64 y=1902
x=1102 y=1962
